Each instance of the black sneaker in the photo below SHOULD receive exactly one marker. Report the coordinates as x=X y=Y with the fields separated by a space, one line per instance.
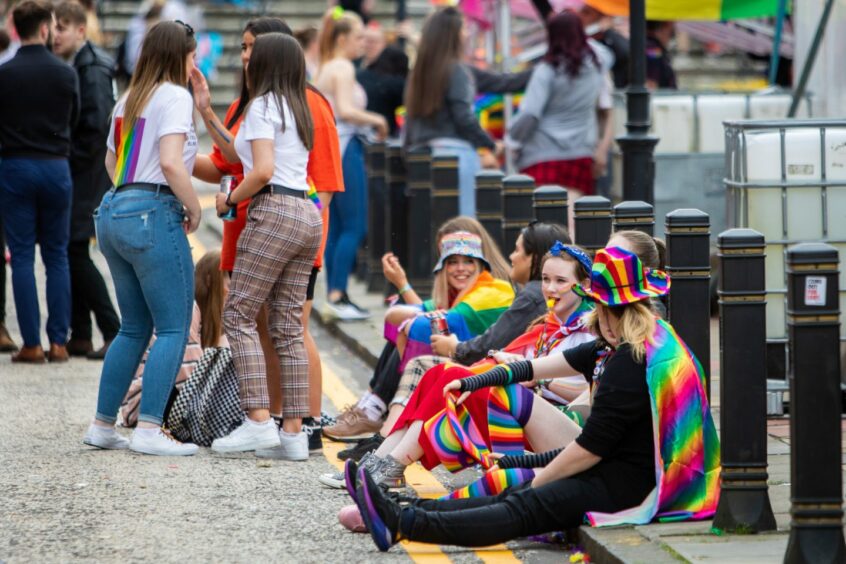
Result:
x=381 y=514
x=327 y=420
x=361 y=448
x=345 y=299
x=314 y=431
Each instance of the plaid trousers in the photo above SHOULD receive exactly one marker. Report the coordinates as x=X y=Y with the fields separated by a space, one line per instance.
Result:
x=413 y=373
x=273 y=262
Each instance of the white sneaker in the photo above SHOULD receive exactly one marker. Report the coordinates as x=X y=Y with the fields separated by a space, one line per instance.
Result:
x=159 y=443
x=105 y=437
x=292 y=447
x=344 y=310
x=249 y=436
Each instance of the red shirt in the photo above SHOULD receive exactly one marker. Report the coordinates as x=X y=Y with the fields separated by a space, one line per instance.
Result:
x=324 y=170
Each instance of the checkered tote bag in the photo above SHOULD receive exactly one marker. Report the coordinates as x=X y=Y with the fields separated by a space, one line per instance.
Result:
x=208 y=406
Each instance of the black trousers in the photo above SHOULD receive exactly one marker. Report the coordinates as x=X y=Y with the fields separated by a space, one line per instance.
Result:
x=89 y=295
x=386 y=375
x=517 y=512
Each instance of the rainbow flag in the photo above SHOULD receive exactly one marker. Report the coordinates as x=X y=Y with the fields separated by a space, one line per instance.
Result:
x=480 y=307
x=710 y=10
x=687 y=449
x=127 y=147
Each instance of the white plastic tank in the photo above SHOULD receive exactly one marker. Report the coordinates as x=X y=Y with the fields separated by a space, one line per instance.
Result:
x=713 y=109
x=672 y=122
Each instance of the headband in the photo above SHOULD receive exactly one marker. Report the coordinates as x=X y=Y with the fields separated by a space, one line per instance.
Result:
x=574 y=252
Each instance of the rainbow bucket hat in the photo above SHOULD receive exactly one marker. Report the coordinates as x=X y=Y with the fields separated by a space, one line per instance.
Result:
x=461 y=243
x=619 y=278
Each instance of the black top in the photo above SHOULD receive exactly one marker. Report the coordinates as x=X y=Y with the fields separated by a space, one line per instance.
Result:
x=619 y=45
x=619 y=428
x=384 y=95
x=88 y=152
x=658 y=66
x=39 y=102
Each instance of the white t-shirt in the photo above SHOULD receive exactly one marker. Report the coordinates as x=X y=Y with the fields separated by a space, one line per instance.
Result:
x=170 y=110
x=290 y=157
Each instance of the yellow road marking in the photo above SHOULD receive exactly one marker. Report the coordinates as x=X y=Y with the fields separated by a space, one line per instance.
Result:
x=423 y=482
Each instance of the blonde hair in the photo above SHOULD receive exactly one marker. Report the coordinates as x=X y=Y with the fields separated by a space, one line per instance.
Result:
x=499 y=266
x=637 y=324
x=208 y=293
x=332 y=27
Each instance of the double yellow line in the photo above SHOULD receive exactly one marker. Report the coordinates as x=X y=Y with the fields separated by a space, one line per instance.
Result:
x=423 y=482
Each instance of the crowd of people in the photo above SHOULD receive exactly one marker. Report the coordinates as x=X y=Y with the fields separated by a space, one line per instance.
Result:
x=556 y=373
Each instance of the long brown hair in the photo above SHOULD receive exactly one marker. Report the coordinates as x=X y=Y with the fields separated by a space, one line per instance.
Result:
x=439 y=51
x=162 y=59
x=209 y=283
x=499 y=266
x=277 y=68
x=334 y=25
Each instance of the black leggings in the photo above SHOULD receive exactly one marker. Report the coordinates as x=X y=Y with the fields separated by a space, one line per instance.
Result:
x=386 y=375
x=517 y=512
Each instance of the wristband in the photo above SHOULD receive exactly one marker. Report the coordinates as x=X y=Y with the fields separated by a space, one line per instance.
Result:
x=228 y=201
x=404 y=289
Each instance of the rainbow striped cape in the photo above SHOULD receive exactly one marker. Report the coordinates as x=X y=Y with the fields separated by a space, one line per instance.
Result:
x=480 y=307
x=687 y=450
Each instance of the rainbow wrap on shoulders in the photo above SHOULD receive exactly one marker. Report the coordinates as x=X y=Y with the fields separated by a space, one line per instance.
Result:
x=687 y=450
x=480 y=307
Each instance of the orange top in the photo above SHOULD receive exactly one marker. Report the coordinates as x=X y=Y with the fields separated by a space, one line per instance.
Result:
x=324 y=170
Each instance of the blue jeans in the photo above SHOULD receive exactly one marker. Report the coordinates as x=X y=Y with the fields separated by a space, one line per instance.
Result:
x=141 y=236
x=347 y=219
x=468 y=166
x=35 y=202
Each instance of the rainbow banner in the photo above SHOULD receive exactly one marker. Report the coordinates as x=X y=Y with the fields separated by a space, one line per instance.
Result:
x=710 y=10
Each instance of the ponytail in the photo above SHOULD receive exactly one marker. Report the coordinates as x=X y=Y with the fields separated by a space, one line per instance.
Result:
x=336 y=22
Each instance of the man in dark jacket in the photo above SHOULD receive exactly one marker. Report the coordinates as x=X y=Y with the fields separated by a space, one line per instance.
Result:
x=39 y=104
x=90 y=179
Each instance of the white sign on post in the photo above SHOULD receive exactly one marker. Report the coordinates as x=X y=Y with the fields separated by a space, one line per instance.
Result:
x=815 y=291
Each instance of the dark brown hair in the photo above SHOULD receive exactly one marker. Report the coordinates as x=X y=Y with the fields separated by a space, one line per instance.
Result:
x=568 y=47
x=162 y=59
x=538 y=238
x=306 y=36
x=30 y=15
x=72 y=12
x=277 y=68
x=256 y=27
x=439 y=51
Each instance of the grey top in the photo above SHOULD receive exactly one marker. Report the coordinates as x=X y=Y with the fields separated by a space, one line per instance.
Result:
x=455 y=119
x=526 y=307
x=557 y=119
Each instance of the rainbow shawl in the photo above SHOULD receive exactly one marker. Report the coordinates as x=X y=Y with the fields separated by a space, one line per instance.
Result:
x=687 y=450
x=480 y=307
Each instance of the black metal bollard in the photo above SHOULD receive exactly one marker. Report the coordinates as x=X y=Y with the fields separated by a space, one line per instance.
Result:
x=744 y=497
x=636 y=215
x=376 y=206
x=517 y=194
x=420 y=263
x=550 y=204
x=396 y=210
x=813 y=321
x=489 y=204
x=689 y=265
x=444 y=191
x=592 y=222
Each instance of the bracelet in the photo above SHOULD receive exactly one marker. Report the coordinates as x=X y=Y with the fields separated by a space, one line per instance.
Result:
x=228 y=201
x=404 y=289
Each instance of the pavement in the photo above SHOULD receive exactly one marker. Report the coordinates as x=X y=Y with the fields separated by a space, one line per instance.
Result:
x=61 y=501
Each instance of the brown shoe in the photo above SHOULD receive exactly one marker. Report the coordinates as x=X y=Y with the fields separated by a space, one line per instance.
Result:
x=80 y=347
x=58 y=353
x=100 y=353
x=30 y=355
x=6 y=342
x=352 y=425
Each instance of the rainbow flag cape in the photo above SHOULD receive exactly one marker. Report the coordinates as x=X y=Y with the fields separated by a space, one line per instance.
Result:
x=480 y=307
x=127 y=149
x=687 y=450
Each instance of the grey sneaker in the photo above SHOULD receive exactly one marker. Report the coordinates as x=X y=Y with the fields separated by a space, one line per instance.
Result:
x=389 y=474
x=337 y=480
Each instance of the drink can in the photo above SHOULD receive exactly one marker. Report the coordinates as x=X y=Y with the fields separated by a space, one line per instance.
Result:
x=438 y=324
x=227 y=185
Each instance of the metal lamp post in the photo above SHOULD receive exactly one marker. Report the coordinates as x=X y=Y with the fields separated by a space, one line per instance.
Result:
x=637 y=145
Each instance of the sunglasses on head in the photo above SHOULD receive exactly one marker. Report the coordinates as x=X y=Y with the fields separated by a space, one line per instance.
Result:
x=188 y=29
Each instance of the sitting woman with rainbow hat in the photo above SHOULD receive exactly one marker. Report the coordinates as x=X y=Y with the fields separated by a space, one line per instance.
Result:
x=648 y=449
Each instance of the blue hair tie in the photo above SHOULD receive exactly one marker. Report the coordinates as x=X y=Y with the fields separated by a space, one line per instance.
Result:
x=574 y=252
